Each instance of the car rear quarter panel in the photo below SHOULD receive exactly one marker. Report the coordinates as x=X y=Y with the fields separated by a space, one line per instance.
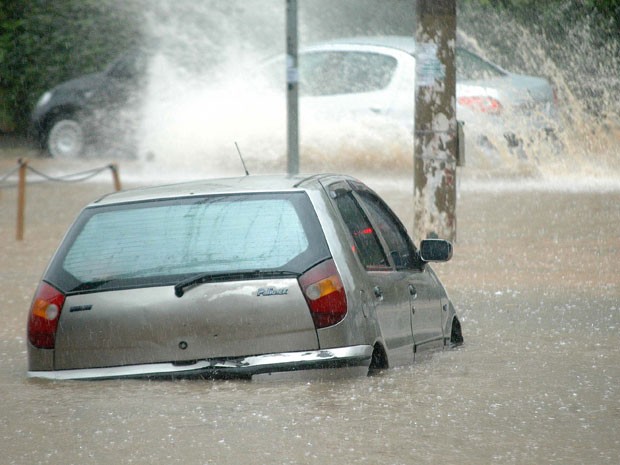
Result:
x=403 y=104
x=360 y=326
x=40 y=359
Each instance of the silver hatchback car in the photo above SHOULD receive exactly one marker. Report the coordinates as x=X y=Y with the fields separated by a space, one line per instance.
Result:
x=238 y=277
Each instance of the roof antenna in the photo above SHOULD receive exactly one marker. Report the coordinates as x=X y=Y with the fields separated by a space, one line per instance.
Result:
x=241 y=157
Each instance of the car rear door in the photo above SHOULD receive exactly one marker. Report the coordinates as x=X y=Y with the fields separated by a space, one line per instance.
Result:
x=415 y=283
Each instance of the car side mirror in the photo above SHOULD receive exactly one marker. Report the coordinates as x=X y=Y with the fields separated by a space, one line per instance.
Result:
x=435 y=250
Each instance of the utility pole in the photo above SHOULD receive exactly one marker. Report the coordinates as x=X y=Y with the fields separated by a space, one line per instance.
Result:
x=292 y=91
x=436 y=140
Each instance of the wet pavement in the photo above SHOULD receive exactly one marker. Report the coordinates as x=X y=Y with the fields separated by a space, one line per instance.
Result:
x=536 y=281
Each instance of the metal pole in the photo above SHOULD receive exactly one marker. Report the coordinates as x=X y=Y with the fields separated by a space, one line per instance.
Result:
x=435 y=153
x=292 y=93
x=21 y=199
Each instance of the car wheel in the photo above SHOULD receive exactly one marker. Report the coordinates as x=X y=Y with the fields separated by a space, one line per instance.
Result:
x=65 y=138
x=378 y=360
x=456 y=335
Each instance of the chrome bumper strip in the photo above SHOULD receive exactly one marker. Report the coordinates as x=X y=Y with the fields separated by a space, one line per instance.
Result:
x=238 y=366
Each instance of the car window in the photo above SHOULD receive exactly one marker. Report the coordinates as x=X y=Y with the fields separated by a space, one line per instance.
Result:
x=473 y=67
x=172 y=238
x=393 y=232
x=367 y=245
x=329 y=73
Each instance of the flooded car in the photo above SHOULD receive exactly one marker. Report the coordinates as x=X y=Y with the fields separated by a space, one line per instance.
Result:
x=238 y=277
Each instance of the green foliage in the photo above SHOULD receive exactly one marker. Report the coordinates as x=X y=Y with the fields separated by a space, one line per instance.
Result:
x=45 y=42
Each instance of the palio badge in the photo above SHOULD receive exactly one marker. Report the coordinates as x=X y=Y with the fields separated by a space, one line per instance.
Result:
x=269 y=291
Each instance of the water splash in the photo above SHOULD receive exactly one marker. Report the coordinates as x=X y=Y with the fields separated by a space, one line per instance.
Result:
x=586 y=76
x=199 y=101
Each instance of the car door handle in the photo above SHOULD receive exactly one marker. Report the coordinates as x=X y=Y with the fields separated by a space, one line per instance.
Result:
x=413 y=291
x=378 y=292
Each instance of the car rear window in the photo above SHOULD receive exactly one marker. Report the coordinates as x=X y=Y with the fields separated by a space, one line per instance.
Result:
x=160 y=242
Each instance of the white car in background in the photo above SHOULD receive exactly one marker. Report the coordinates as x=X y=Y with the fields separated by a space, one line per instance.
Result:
x=374 y=76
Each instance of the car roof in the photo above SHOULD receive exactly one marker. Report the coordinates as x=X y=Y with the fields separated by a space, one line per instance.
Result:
x=402 y=43
x=405 y=44
x=253 y=183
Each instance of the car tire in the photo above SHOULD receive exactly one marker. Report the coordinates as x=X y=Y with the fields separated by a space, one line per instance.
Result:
x=456 y=334
x=378 y=361
x=65 y=138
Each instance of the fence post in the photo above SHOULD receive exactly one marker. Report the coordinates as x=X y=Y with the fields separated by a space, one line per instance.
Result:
x=21 y=198
x=115 y=176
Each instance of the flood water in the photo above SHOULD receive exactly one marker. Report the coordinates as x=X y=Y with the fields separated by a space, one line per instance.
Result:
x=535 y=279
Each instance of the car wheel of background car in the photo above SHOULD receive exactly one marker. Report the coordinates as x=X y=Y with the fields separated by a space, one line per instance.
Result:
x=548 y=141
x=515 y=145
x=65 y=138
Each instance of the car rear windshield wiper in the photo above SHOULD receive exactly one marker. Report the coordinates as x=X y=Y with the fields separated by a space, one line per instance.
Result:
x=210 y=276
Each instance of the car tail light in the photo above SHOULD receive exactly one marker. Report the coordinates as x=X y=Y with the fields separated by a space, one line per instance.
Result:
x=482 y=104
x=44 y=316
x=325 y=294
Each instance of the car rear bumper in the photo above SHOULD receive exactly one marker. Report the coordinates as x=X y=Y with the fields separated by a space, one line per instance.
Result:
x=225 y=367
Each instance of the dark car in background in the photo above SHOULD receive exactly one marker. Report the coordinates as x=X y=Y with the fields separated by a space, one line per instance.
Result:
x=77 y=113
x=238 y=277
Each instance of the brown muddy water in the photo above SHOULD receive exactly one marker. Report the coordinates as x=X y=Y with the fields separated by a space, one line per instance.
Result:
x=535 y=278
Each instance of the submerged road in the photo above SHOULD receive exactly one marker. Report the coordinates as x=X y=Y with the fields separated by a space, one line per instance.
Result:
x=535 y=278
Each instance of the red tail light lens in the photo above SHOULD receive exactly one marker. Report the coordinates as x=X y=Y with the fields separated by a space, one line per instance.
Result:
x=325 y=294
x=44 y=316
x=483 y=104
